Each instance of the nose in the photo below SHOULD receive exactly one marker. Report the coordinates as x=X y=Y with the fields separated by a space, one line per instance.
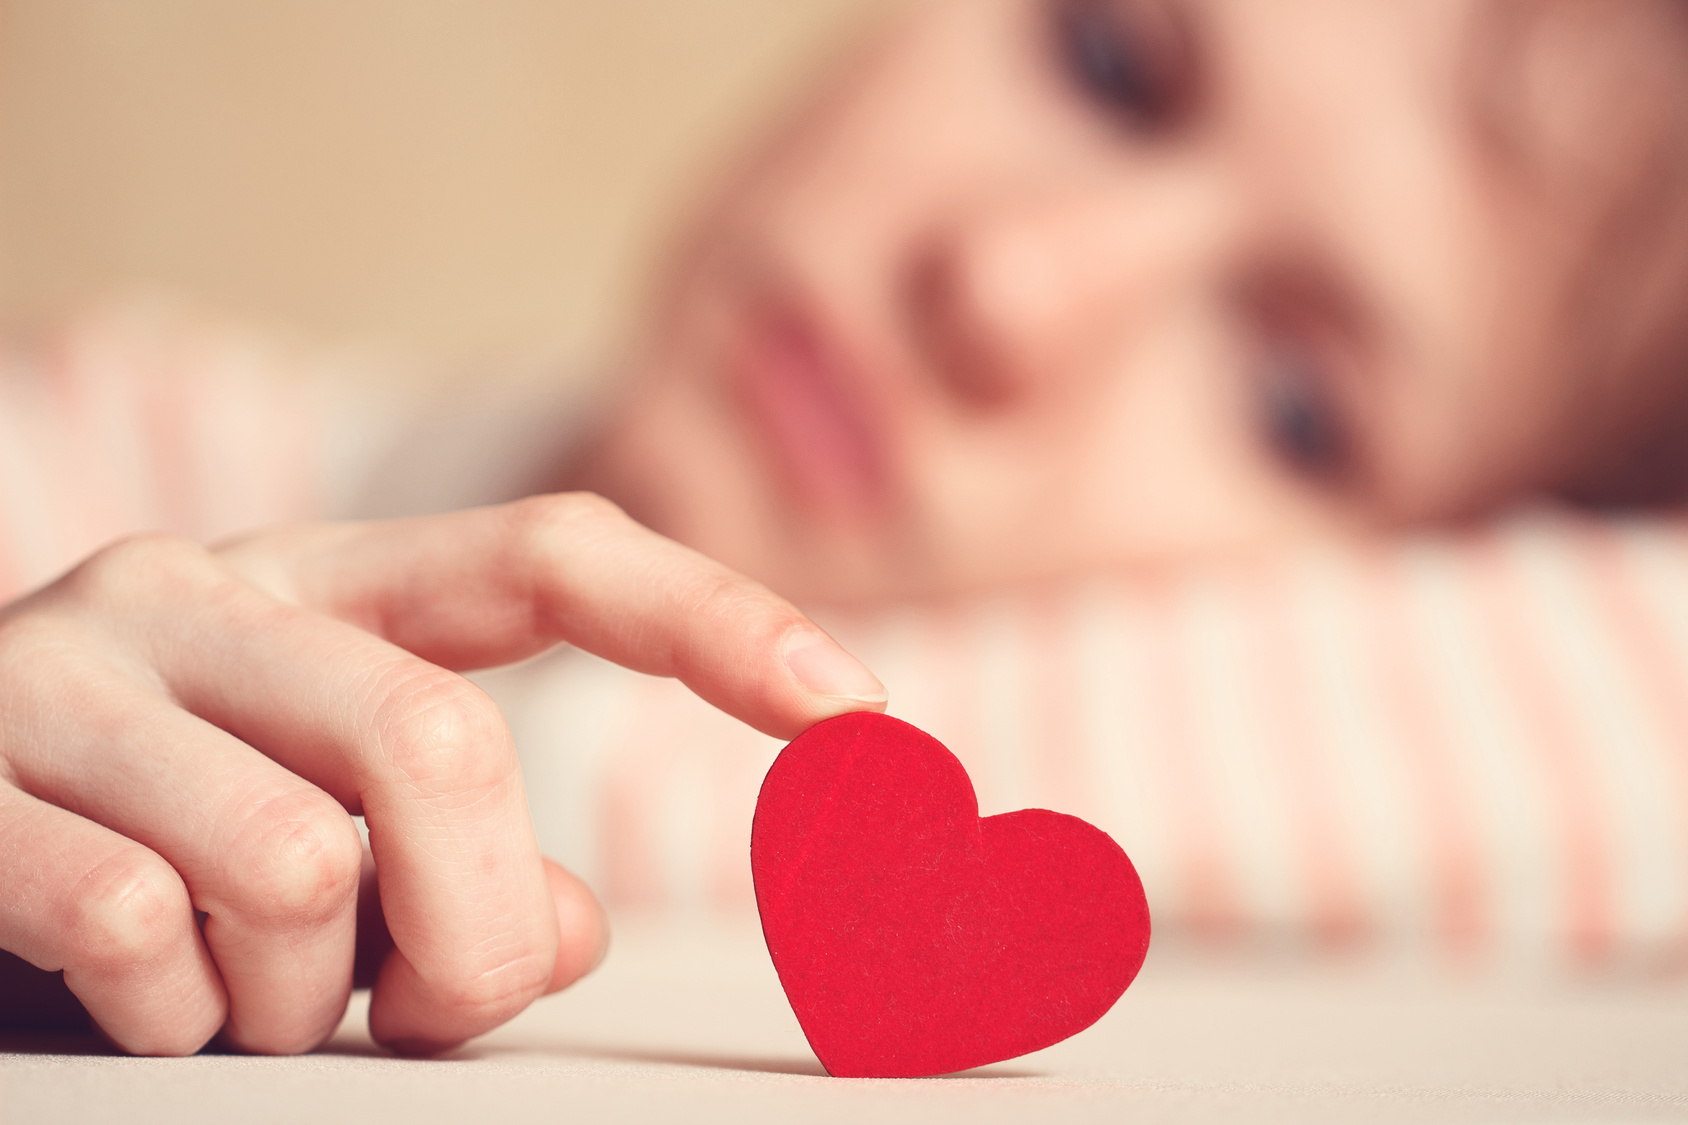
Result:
x=1022 y=293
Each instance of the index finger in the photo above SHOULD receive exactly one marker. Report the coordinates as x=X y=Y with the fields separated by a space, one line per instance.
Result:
x=495 y=585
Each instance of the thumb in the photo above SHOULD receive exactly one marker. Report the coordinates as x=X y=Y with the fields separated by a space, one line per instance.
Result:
x=582 y=925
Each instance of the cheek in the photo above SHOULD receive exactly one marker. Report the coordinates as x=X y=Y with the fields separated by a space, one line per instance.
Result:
x=1472 y=411
x=1155 y=458
x=1463 y=441
x=1164 y=460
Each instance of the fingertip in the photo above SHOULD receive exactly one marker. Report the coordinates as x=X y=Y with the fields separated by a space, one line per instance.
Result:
x=824 y=669
x=582 y=927
x=420 y=1048
x=411 y=1016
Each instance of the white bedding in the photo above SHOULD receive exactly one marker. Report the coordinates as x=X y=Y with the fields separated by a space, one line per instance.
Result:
x=685 y=1022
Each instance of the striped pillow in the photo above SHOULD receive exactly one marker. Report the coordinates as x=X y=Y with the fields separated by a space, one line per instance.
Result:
x=1476 y=746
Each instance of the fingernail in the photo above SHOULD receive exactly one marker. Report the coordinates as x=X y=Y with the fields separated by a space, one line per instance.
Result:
x=825 y=669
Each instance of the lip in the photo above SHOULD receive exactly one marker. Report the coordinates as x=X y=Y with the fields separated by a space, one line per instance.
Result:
x=807 y=404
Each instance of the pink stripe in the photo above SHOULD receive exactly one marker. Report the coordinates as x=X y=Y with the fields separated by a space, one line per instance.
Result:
x=1548 y=725
x=1653 y=665
x=88 y=516
x=953 y=679
x=1453 y=853
x=11 y=568
x=106 y=385
x=736 y=777
x=629 y=876
x=168 y=406
x=1339 y=918
x=1202 y=844
x=626 y=822
x=1064 y=783
x=11 y=573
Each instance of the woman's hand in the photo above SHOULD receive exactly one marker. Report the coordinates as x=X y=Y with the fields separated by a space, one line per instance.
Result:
x=185 y=735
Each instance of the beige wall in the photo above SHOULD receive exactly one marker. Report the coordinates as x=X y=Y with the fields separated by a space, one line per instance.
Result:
x=459 y=177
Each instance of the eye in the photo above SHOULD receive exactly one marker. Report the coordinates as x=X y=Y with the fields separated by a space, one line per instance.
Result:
x=1299 y=416
x=1121 y=60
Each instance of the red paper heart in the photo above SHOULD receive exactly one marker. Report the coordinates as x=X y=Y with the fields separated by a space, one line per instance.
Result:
x=914 y=938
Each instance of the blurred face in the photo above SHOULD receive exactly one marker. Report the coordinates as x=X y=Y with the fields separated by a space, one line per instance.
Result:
x=1039 y=287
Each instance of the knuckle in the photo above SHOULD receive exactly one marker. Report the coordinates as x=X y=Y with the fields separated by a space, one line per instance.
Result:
x=539 y=520
x=136 y=567
x=29 y=640
x=440 y=731
x=736 y=600
x=579 y=507
x=128 y=913
x=300 y=865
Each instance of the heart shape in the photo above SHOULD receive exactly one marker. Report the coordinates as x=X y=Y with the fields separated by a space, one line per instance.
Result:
x=914 y=938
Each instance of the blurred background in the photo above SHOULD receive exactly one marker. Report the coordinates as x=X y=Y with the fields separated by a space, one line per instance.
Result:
x=465 y=182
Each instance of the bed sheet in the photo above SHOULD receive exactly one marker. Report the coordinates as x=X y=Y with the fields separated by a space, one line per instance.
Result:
x=685 y=1022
